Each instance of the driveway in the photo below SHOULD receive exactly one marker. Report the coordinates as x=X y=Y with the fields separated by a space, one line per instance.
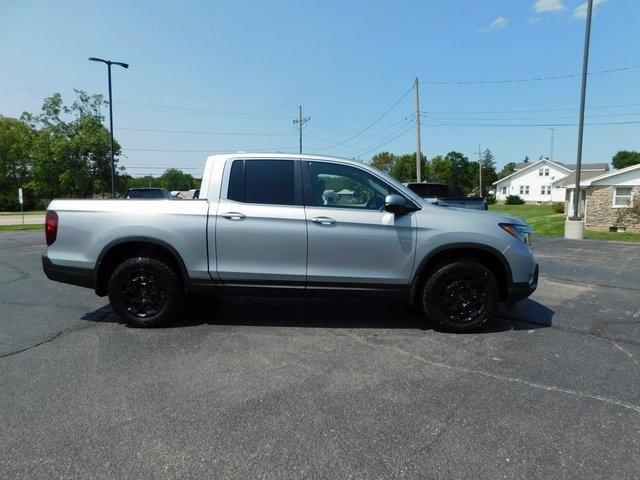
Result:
x=293 y=388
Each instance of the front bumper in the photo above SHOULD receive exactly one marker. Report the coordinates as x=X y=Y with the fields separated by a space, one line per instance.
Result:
x=82 y=277
x=520 y=291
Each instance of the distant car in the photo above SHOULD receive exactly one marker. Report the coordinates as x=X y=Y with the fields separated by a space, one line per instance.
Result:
x=148 y=193
x=439 y=194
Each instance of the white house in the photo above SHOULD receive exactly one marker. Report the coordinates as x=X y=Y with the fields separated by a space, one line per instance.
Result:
x=543 y=181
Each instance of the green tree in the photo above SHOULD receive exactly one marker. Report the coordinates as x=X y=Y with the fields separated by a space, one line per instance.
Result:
x=625 y=158
x=71 y=148
x=383 y=161
x=174 y=179
x=455 y=170
x=489 y=174
x=16 y=139
x=508 y=169
x=404 y=168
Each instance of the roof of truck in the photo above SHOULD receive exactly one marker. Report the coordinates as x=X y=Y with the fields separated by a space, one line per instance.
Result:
x=282 y=155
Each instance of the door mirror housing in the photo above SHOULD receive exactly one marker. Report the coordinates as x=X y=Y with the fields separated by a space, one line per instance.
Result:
x=395 y=204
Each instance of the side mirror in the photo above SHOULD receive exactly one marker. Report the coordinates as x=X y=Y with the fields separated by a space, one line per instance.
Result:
x=395 y=204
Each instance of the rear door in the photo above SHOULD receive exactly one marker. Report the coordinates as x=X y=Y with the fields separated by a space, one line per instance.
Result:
x=261 y=234
x=353 y=242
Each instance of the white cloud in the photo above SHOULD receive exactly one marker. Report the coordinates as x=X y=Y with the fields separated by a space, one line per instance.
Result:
x=581 y=10
x=533 y=20
x=498 y=23
x=542 y=6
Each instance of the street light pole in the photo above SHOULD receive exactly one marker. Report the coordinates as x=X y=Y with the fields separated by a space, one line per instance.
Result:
x=113 y=168
x=583 y=94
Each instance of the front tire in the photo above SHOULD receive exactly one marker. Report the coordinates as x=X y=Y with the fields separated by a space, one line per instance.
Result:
x=145 y=291
x=460 y=296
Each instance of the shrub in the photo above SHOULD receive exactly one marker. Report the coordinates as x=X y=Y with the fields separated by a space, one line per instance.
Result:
x=558 y=207
x=513 y=200
x=490 y=199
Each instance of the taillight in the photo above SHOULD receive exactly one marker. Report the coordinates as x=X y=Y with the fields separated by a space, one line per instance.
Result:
x=50 y=226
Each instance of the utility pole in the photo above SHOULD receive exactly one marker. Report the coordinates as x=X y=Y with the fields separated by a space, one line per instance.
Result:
x=583 y=94
x=551 y=146
x=480 y=168
x=300 y=123
x=418 y=152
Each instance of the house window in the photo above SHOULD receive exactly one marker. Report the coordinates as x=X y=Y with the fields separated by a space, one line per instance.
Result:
x=542 y=189
x=521 y=189
x=546 y=172
x=504 y=190
x=526 y=189
x=622 y=197
x=545 y=190
x=540 y=172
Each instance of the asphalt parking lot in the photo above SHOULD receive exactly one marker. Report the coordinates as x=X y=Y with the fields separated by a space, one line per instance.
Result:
x=293 y=388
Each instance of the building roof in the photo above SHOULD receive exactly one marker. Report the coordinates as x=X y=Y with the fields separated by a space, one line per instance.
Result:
x=612 y=173
x=531 y=165
x=588 y=166
x=570 y=166
x=584 y=175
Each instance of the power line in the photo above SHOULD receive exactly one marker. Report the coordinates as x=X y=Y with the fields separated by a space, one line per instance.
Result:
x=385 y=142
x=564 y=117
x=202 y=132
x=531 y=111
x=210 y=151
x=405 y=120
x=374 y=122
x=522 y=80
x=391 y=134
x=630 y=122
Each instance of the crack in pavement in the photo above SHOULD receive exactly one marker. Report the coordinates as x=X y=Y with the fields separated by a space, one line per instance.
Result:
x=504 y=378
x=594 y=284
x=48 y=340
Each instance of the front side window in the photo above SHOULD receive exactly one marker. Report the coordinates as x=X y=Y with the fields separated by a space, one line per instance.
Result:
x=540 y=172
x=270 y=182
x=622 y=197
x=546 y=172
x=504 y=190
x=521 y=189
x=526 y=189
x=342 y=186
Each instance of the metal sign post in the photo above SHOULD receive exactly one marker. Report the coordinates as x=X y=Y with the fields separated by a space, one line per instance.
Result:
x=21 y=202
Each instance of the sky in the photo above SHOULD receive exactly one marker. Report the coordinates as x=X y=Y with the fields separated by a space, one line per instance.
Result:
x=209 y=76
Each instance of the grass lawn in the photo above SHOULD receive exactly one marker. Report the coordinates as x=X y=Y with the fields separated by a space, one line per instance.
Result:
x=545 y=221
x=17 y=228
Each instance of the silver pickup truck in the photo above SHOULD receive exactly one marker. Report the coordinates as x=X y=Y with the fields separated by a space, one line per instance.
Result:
x=286 y=225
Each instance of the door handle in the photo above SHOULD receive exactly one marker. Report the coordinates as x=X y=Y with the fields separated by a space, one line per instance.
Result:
x=323 y=220
x=234 y=216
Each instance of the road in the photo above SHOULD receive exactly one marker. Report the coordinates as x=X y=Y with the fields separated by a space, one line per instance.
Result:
x=292 y=388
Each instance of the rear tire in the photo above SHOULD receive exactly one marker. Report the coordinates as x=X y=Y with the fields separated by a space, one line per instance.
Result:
x=145 y=292
x=460 y=296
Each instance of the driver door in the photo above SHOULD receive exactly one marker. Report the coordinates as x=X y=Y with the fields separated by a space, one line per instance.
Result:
x=352 y=242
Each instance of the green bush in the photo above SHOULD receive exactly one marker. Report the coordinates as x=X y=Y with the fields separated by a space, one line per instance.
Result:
x=490 y=199
x=514 y=200
x=558 y=207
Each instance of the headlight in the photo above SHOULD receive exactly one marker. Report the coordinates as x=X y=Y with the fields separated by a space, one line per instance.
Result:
x=518 y=230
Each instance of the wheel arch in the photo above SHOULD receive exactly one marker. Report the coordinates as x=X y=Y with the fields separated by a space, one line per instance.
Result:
x=119 y=250
x=486 y=255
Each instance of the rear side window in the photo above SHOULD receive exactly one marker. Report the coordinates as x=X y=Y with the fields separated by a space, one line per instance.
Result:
x=269 y=182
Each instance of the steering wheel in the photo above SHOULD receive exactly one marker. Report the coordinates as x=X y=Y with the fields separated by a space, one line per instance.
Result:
x=376 y=202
